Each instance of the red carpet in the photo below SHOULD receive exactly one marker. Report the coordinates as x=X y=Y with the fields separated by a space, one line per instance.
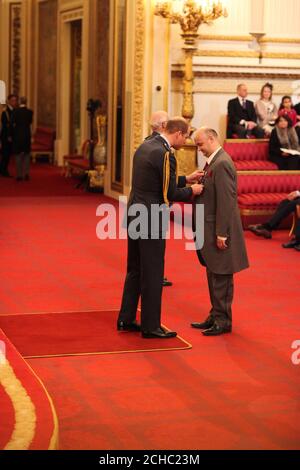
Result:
x=28 y=418
x=45 y=180
x=237 y=391
x=65 y=334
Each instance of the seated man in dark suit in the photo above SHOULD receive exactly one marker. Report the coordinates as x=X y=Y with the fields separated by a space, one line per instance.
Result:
x=242 y=119
x=297 y=127
x=286 y=207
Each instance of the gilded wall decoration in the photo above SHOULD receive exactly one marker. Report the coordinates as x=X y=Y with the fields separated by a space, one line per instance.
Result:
x=241 y=75
x=251 y=54
x=15 y=48
x=138 y=101
x=266 y=39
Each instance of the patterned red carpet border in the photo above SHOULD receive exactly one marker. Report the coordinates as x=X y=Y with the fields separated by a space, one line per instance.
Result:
x=28 y=418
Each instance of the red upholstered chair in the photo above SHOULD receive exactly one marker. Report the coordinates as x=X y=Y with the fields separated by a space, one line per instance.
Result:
x=43 y=144
x=260 y=194
x=77 y=162
x=249 y=155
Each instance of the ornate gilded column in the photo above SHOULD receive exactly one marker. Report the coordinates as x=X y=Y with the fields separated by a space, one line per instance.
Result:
x=188 y=80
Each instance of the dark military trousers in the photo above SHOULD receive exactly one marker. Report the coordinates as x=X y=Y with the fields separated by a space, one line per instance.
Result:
x=145 y=272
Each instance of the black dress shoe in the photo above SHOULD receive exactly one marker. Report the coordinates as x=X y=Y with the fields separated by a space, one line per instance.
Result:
x=122 y=326
x=166 y=282
x=216 y=330
x=260 y=230
x=291 y=244
x=204 y=325
x=159 y=333
x=297 y=247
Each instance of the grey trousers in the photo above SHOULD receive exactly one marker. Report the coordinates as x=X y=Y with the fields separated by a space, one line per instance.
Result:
x=221 y=296
x=22 y=164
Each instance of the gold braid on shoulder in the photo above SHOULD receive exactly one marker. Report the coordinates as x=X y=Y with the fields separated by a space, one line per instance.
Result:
x=166 y=176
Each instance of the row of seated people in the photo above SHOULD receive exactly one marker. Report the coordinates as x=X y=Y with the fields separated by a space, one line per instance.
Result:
x=289 y=205
x=260 y=195
x=280 y=152
x=246 y=119
x=266 y=200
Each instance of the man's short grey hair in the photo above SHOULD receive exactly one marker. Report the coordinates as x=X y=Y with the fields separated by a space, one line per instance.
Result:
x=158 y=119
x=240 y=85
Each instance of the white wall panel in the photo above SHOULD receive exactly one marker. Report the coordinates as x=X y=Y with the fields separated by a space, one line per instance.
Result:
x=282 y=18
x=237 y=22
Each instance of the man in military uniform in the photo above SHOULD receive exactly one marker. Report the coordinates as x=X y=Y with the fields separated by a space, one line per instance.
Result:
x=158 y=122
x=153 y=183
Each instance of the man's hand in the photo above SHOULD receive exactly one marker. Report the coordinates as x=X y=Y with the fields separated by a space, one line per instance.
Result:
x=197 y=189
x=221 y=243
x=194 y=177
x=293 y=195
x=251 y=125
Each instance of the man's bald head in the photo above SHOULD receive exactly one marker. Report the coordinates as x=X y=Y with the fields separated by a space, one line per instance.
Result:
x=158 y=121
x=207 y=140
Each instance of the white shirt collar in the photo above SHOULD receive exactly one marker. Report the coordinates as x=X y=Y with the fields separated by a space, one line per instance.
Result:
x=165 y=138
x=211 y=157
x=241 y=100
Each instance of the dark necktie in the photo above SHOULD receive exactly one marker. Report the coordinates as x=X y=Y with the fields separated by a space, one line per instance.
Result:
x=244 y=104
x=205 y=168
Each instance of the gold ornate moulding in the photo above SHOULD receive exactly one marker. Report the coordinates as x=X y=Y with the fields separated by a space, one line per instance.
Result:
x=186 y=159
x=238 y=74
x=252 y=54
x=219 y=37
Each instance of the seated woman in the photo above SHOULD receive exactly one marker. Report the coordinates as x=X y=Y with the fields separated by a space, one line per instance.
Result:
x=266 y=110
x=287 y=109
x=284 y=136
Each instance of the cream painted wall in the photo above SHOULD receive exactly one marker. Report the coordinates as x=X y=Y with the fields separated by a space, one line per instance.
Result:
x=225 y=58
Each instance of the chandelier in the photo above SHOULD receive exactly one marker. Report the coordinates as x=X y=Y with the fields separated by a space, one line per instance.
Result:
x=189 y=14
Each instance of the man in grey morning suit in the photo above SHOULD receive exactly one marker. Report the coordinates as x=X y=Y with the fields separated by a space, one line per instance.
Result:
x=224 y=251
x=153 y=183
